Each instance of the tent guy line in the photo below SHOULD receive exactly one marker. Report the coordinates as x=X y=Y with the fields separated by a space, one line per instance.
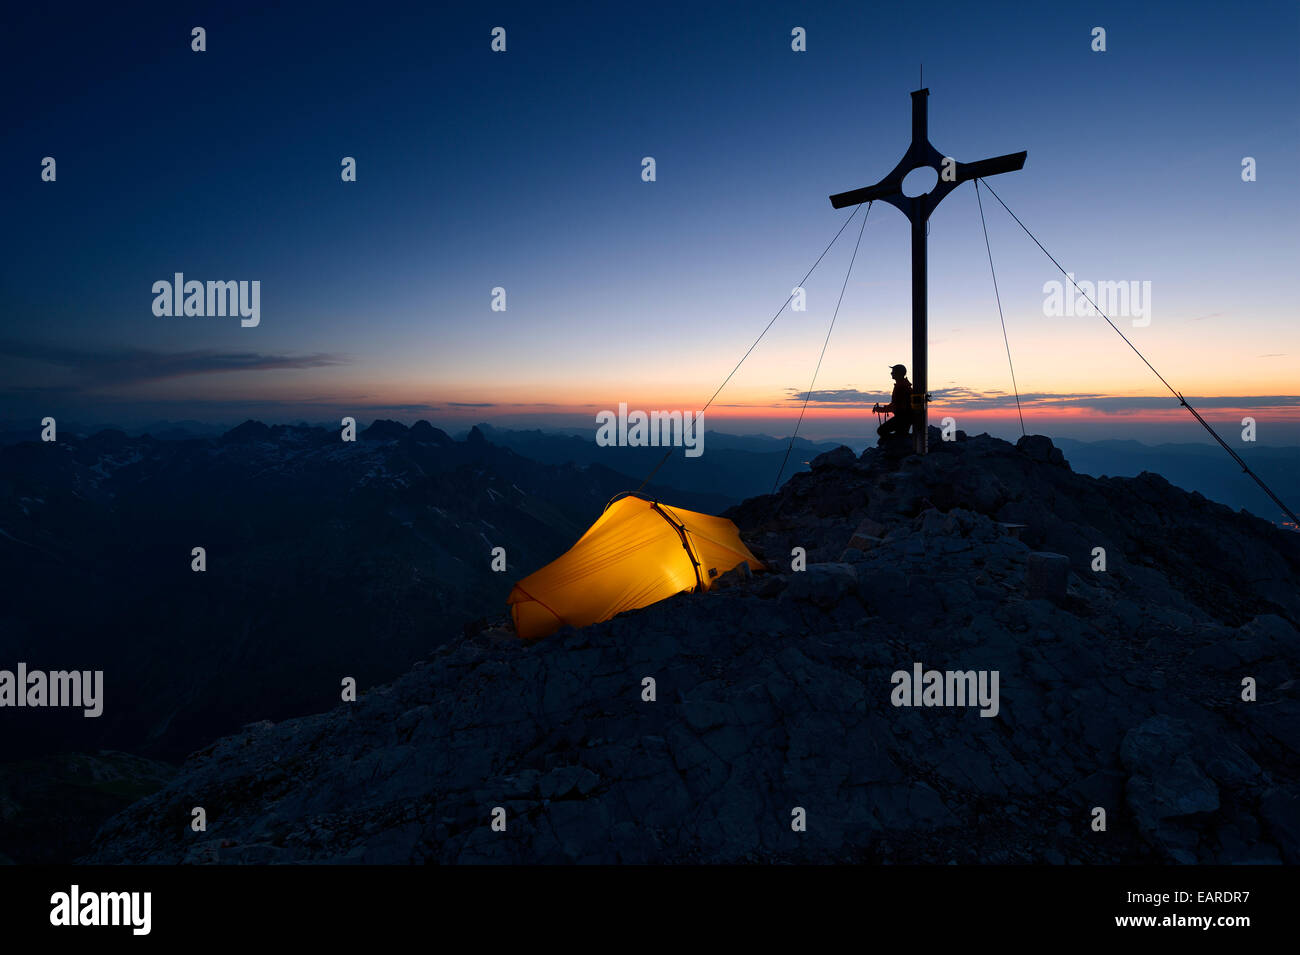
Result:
x=1002 y=318
x=770 y=323
x=808 y=393
x=1181 y=400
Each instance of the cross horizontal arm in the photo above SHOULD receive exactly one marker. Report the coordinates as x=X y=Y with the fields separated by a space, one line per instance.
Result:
x=891 y=185
x=867 y=193
x=991 y=167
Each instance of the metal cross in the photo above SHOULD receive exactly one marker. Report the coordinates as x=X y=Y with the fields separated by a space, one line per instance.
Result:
x=890 y=189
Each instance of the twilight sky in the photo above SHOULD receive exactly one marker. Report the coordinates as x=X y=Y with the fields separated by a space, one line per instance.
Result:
x=523 y=170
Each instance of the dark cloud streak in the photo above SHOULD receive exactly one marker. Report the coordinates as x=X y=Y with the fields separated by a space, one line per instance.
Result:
x=98 y=368
x=998 y=400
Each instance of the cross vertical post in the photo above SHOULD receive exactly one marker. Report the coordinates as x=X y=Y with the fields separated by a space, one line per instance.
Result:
x=918 y=209
x=920 y=340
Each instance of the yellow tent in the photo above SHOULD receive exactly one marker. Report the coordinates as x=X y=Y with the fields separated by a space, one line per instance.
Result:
x=637 y=553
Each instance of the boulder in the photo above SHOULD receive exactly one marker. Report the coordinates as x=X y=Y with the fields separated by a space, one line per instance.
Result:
x=738 y=575
x=868 y=535
x=824 y=585
x=1046 y=575
x=841 y=457
x=1166 y=787
x=1280 y=809
x=1039 y=447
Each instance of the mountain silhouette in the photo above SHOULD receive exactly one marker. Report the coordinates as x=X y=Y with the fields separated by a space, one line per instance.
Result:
x=1121 y=691
x=324 y=560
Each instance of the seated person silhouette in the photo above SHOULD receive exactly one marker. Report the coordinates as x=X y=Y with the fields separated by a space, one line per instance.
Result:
x=895 y=429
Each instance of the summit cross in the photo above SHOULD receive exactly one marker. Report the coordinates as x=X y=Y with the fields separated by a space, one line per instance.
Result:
x=921 y=154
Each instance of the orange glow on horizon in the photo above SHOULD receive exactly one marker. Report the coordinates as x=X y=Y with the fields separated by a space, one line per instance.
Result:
x=1065 y=408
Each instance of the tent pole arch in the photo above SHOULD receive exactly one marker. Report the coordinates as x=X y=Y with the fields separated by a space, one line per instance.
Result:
x=686 y=544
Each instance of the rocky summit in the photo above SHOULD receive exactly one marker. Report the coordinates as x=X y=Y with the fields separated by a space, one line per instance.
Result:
x=1141 y=642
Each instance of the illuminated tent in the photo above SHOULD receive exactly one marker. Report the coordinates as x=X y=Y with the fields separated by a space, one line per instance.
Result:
x=638 y=552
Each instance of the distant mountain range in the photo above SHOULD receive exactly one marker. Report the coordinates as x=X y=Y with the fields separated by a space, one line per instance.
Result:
x=739 y=466
x=325 y=560
x=732 y=466
x=1198 y=467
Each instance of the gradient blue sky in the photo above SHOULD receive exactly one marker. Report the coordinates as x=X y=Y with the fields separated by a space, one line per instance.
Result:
x=522 y=170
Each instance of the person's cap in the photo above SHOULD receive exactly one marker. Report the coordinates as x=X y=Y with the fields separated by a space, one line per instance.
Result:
x=902 y=369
